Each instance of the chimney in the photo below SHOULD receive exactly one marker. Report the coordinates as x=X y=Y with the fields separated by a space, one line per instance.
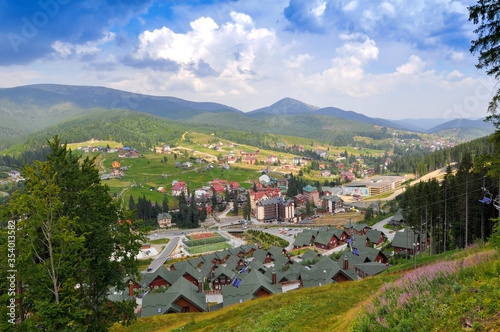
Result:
x=346 y=263
x=273 y=277
x=200 y=286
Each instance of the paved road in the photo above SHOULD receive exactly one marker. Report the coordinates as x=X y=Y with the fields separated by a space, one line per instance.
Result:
x=380 y=227
x=162 y=258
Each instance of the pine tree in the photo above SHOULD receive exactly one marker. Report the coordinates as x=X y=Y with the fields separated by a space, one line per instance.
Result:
x=75 y=243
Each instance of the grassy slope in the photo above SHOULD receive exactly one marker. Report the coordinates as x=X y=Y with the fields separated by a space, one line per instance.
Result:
x=327 y=308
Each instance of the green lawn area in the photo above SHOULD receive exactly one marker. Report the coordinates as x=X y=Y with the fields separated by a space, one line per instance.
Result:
x=147 y=173
x=208 y=248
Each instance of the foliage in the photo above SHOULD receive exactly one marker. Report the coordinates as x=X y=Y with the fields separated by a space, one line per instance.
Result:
x=451 y=210
x=70 y=234
x=437 y=297
x=485 y=14
x=267 y=240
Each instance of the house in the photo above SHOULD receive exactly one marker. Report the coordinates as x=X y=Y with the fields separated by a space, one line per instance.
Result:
x=375 y=237
x=179 y=187
x=182 y=296
x=233 y=186
x=271 y=159
x=250 y=160
x=133 y=154
x=115 y=164
x=332 y=204
x=326 y=173
x=397 y=220
x=14 y=174
x=297 y=161
x=187 y=164
x=311 y=194
x=164 y=220
x=346 y=176
x=410 y=241
x=251 y=285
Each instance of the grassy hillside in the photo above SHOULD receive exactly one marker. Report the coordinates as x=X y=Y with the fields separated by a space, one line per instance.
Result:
x=469 y=295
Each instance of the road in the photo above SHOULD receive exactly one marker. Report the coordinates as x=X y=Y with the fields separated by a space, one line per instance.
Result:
x=162 y=258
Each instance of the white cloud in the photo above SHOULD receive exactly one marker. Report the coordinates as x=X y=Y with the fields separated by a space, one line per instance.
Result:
x=64 y=49
x=415 y=65
x=297 y=61
x=351 y=6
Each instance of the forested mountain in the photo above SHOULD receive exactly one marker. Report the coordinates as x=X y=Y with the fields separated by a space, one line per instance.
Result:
x=29 y=109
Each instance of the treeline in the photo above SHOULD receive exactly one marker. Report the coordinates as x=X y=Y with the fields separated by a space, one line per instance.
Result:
x=451 y=211
x=26 y=157
x=422 y=162
x=187 y=216
x=139 y=130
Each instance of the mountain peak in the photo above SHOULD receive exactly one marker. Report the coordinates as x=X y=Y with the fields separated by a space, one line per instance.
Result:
x=287 y=106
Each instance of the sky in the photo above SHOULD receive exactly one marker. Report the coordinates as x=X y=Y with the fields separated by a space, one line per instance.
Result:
x=391 y=59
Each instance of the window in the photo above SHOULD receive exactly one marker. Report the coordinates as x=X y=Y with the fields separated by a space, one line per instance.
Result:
x=185 y=309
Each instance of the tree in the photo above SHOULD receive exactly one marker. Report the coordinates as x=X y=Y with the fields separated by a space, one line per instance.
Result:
x=485 y=14
x=164 y=205
x=77 y=243
x=310 y=208
x=247 y=208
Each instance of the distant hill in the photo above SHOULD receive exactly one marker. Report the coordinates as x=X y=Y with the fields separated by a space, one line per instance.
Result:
x=463 y=128
x=289 y=106
x=28 y=109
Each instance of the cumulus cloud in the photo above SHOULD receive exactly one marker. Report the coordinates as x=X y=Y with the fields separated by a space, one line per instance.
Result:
x=234 y=50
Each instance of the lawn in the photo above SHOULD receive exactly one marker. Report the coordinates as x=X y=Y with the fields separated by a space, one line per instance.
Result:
x=208 y=248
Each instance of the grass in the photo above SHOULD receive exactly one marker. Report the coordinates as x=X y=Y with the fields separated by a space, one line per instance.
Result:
x=208 y=248
x=159 y=241
x=445 y=296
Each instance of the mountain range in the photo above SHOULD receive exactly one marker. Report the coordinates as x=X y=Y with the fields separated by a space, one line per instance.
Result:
x=28 y=109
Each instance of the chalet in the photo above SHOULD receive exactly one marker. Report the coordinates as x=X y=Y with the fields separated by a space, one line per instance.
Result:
x=182 y=296
x=252 y=285
x=358 y=229
x=375 y=237
x=133 y=154
x=410 y=241
x=397 y=220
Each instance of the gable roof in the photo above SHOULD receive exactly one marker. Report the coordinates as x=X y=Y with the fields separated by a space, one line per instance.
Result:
x=160 y=303
x=371 y=268
x=251 y=283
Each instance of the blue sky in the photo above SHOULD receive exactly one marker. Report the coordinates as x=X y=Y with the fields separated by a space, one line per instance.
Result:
x=392 y=59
